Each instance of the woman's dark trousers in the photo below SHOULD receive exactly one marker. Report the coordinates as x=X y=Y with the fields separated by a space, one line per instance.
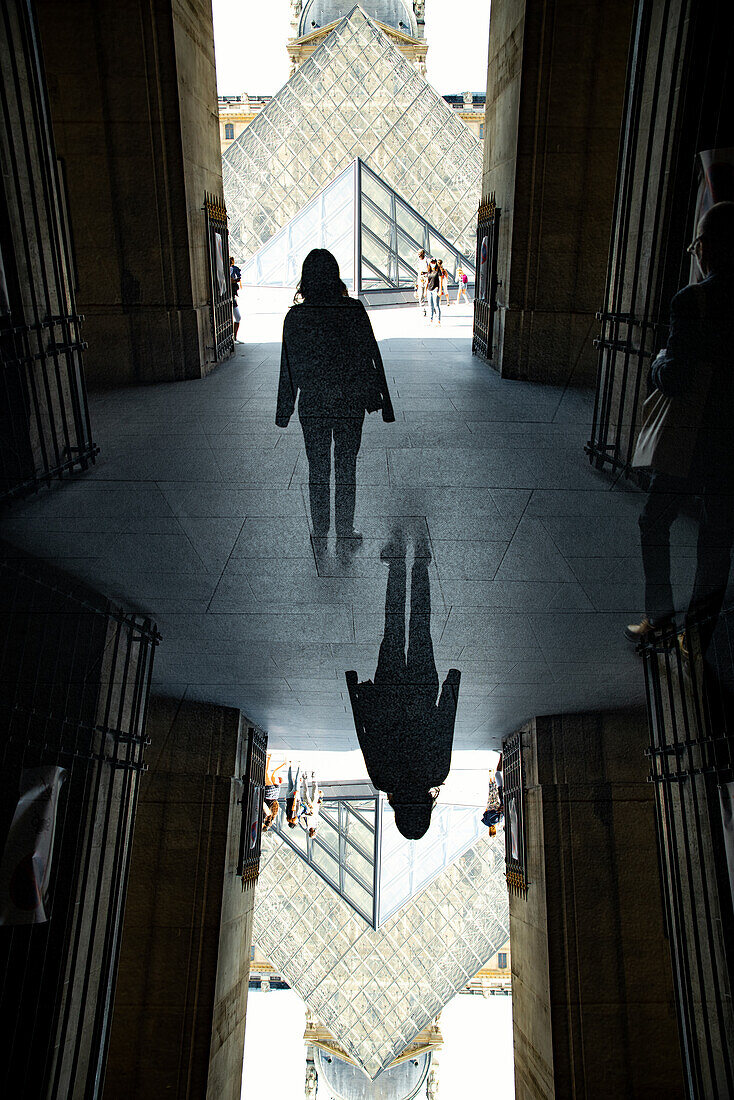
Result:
x=318 y=433
x=666 y=498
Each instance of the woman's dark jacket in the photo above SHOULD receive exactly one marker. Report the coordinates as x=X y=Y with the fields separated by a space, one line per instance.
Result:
x=405 y=736
x=701 y=347
x=331 y=357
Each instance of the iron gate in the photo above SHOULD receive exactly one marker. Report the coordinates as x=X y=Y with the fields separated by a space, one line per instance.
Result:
x=485 y=294
x=690 y=702
x=513 y=775
x=253 y=781
x=44 y=417
x=674 y=107
x=220 y=286
x=74 y=684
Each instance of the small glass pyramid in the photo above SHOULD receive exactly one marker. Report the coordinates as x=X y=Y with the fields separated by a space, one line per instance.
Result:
x=356 y=96
x=375 y=990
x=368 y=227
x=360 y=853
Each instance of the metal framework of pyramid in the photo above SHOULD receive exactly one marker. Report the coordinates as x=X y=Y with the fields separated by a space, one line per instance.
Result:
x=374 y=990
x=359 y=852
x=356 y=96
x=374 y=234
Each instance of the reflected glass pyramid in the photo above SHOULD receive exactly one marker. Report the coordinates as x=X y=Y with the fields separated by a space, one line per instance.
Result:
x=356 y=96
x=367 y=226
x=360 y=853
x=375 y=990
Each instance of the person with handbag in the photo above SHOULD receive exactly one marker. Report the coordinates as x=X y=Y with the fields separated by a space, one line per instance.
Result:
x=687 y=435
x=331 y=363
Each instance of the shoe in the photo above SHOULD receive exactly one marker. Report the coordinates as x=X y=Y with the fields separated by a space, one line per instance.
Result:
x=683 y=646
x=395 y=547
x=645 y=629
x=349 y=536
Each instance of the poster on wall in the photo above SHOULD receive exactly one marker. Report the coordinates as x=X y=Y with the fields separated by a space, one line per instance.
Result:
x=726 y=800
x=25 y=869
x=255 y=814
x=483 y=268
x=219 y=253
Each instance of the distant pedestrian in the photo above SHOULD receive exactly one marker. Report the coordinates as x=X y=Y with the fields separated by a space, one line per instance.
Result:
x=494 y=809
x=444 y=282
x=235 y=281
x=272 y=779
x=421 y=286
x=311 y=799
x=270 y=812
x=293 y=795
x=463 y=281
x=434 y=290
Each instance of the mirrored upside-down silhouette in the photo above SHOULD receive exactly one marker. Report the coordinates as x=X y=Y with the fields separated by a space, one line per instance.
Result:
x=404 y=734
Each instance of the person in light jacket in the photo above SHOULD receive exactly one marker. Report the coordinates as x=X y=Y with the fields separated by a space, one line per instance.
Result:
x=331 y=363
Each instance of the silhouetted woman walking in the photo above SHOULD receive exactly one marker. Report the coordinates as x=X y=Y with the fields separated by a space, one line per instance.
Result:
x=330 y=356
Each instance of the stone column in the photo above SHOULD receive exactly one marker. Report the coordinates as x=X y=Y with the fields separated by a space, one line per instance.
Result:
x=179 y=1016
x=555 y=87
x=134 y=108
x=593 y=1008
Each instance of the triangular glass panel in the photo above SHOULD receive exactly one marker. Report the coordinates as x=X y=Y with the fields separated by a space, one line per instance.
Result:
x=359 y=852
x=375 y=989
x=357 y=215
x=356 y=96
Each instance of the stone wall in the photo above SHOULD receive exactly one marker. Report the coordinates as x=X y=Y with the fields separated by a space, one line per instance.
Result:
x=179 y=1015
x=591 y=972
x=555 y=88
x=134 y=108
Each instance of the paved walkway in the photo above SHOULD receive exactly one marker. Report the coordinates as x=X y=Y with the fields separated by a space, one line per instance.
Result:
x=196 y=513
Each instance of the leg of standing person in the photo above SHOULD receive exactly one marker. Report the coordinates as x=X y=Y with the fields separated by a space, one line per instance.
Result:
x=421 y=662
x=317 y=439
x=347 y=439
x=390 y=670
x=665 y=499
x=713 y=557
x=438 y=305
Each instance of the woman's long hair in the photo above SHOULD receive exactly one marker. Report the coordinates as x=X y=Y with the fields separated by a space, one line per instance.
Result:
x=320 y=281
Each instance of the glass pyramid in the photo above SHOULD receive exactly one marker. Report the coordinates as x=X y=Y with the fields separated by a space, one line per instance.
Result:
x=360 y=853
x=375 y=990
x=369 y=228
x=356 y=96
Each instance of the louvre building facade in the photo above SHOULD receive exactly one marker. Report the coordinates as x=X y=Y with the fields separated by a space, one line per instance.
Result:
x=356 y=96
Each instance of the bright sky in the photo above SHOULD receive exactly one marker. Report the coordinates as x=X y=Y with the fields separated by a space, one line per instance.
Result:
x=477 y=1046
x=250 y=38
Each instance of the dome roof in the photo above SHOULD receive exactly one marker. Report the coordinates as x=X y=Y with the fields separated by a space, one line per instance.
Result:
x=392 y=13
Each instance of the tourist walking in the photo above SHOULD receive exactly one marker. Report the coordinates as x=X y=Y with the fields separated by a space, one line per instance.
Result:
x=463 y=281
x=421 y=286
x=273 y=778
x=331 y=363
x=311 y=798
x=293 y=795
x=235 y=282
x=495 y=808
x=434 y=290
x=691 y=451
x=444 y=282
